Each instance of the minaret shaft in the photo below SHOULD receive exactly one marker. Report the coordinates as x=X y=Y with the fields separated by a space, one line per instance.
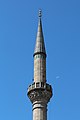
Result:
x=39 y=68
x=39 y=111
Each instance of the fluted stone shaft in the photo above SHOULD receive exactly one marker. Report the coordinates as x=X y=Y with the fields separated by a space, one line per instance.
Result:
x=39 y=68
x=39 y=111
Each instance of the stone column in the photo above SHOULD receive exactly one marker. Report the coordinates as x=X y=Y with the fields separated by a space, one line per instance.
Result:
x=39 y=68
x=39 y=111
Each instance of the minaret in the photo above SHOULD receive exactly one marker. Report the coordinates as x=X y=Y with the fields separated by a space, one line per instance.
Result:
x=39 y=92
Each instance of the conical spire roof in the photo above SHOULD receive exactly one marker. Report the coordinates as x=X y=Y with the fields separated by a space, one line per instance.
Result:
x=40 y=46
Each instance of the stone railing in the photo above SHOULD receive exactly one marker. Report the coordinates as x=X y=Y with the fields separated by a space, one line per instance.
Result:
x=40 y=85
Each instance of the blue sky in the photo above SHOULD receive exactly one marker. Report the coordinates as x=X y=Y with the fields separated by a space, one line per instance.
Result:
x=61 y=28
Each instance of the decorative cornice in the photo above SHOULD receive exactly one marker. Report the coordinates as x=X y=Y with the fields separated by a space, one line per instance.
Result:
x=40 y=95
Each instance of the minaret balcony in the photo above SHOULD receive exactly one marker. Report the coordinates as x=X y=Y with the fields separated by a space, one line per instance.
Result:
x=39 y=85
x=40 y=91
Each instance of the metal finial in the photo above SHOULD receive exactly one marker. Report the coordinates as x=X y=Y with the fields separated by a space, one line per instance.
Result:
x=40 y=13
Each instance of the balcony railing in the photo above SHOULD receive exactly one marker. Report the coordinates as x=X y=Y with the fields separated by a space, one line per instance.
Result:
x=40 y=85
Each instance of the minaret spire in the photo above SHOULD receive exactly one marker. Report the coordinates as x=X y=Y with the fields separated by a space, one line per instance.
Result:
x=40 y=46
